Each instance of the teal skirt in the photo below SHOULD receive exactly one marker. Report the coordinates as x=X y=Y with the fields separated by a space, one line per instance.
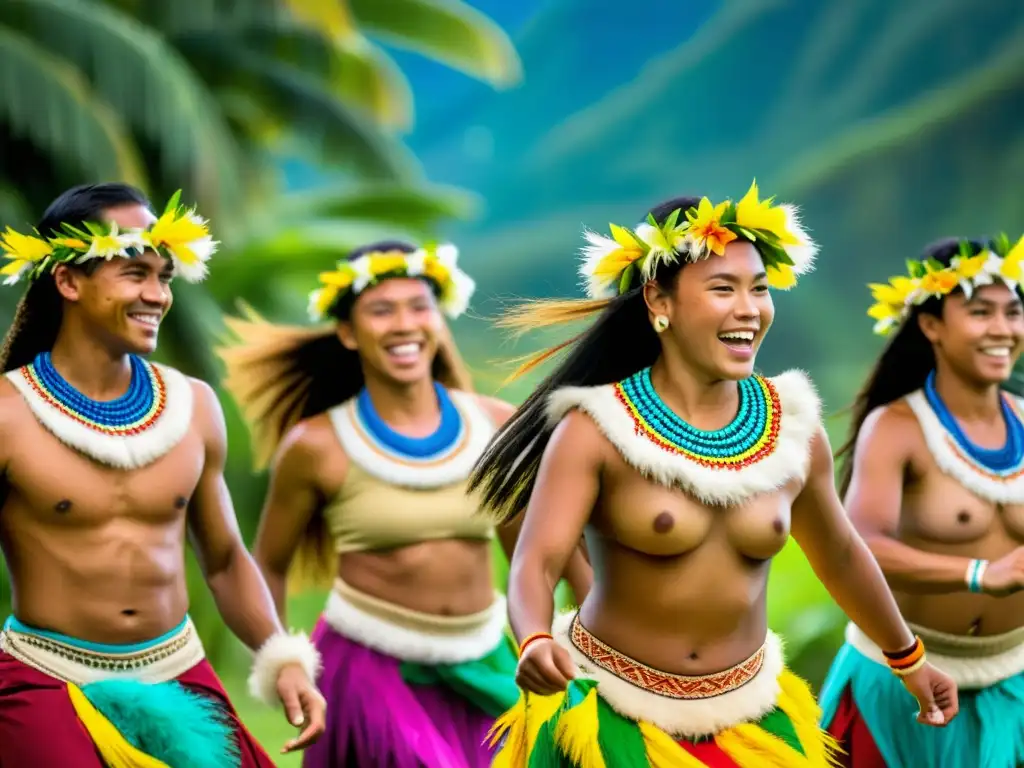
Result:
x=988 y=732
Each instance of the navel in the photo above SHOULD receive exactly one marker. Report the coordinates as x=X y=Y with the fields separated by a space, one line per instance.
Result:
x=180 y=502
x=694 y=656
x=963 y=517
x=664 y=523
x=63 y=505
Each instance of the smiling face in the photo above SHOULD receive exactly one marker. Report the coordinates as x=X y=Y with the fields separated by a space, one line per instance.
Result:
x=980 y=338
x=394 y=327
x=121 y=301
x=719 y=312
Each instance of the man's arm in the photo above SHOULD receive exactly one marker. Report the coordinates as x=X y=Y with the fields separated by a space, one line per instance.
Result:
x=293 y=498
x=882 y=457
x=285 y=666
x=578 y=572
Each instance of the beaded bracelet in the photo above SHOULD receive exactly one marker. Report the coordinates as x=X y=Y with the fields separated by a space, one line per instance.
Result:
x=906 y=661
x=975 y=573
x=530 y=638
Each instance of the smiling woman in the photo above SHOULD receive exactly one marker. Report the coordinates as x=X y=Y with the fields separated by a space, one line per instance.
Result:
x=687 y=472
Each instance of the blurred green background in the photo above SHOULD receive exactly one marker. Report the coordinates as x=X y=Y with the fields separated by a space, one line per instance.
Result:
x=305 y=127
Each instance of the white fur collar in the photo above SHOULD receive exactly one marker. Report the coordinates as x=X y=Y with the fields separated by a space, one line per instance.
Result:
x=790 y=460
x=452 y=466
x=119 y=451
x=998 y=488
x=686 y=718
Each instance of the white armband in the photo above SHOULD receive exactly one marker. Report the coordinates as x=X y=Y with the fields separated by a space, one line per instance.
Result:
x=276 y=653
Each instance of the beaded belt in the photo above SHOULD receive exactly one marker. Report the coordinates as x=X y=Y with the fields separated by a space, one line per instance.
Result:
x=165 y=659
x=655 y=681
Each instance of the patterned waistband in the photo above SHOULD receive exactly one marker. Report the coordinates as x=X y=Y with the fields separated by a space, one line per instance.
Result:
x=655 y=681
x=79 y=662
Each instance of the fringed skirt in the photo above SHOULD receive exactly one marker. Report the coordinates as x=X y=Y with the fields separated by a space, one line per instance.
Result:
x=872 y=715
x=620 y=713
x=406 y=689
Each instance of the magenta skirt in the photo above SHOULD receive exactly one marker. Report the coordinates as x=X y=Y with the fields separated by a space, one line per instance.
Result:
x=385 y=713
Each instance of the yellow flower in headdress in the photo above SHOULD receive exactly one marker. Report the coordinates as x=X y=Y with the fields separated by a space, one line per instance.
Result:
x=706 y=227
x=24 y=252
x=781 y=276
x=606 y=258
x=186 y=238
x=939 y=282
x=891 y=301
x=1011 y=268
x=754 y=214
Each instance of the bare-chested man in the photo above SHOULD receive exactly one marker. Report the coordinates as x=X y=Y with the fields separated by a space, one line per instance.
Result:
x=688 y=473
x=934 y=482
x=108 y=460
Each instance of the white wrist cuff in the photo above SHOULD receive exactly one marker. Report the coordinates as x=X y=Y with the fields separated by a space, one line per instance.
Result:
x=276 y=653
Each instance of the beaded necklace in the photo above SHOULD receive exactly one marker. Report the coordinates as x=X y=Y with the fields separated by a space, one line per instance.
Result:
x=748 y=438
x=134 y=412
x=443 y=438
x=1000 y=461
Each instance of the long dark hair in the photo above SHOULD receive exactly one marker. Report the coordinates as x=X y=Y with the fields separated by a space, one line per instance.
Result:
x=619 y=343
x=280 y=375
x=38 y=316
x=905 y=362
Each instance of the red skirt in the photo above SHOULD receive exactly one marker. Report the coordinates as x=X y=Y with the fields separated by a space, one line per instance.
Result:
x=39 y=726
x=850 y=730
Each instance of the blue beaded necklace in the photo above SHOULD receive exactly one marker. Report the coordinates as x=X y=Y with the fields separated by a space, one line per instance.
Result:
x=131 y=413
x=444 y=437
x=997 y=459
x=751 y=435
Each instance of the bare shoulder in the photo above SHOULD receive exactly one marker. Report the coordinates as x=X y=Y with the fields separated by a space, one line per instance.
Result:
x=891 y=429
x=308 y=444
x=497 y=409
x=13 y=408
x=577 y=433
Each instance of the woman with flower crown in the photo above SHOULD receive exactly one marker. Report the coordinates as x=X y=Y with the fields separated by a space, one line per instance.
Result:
x=374 y=429
x=108 y=461
x=934 y=481
x=687 y=472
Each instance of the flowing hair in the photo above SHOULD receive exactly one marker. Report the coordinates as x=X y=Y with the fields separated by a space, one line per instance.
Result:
x=904 y=364
x=40 y=310
x=280 y=375
x=618 y=343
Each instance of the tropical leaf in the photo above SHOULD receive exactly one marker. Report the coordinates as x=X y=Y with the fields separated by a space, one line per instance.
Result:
x=48 y=101
x=149 y=85
x=351 y=68
x=320 y=125
x=449 y=31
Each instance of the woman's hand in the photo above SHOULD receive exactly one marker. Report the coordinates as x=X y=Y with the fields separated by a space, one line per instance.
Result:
x=936 y=695
x=545 y=668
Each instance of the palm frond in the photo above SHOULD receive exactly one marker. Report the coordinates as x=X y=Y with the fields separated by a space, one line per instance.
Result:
x=350 y=67
x=449 y=31
x=324 y=128
x=147 y=82
x=47 y=101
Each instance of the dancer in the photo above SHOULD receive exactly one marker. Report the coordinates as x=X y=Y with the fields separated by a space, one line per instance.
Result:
x=934 y=482
x=107 y=461
x=375 y=429
x=688 y=472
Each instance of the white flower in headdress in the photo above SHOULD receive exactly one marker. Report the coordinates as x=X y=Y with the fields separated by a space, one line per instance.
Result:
x=114 y=244
x=361 y=268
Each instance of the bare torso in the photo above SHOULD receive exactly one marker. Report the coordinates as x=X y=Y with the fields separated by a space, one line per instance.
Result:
x=678 y=585
x=94 y=553
x=939 y=515
x=448 y=577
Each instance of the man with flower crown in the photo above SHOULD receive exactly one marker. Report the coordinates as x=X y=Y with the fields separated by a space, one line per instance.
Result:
x=115 y=459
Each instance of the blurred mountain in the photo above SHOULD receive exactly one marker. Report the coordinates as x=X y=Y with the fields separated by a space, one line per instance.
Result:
x=888 y=125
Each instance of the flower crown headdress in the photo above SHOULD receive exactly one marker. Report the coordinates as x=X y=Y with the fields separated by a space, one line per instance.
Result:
x=179 y=234
x=434 y=263
x=610 y=266
x=970 y=269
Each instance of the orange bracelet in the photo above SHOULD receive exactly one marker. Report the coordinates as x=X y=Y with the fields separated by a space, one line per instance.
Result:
x=530 y=638
x=906 y=661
